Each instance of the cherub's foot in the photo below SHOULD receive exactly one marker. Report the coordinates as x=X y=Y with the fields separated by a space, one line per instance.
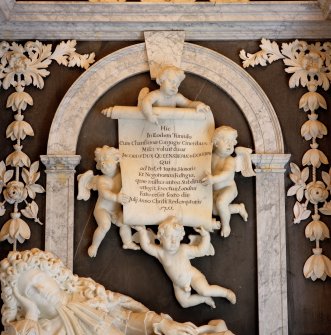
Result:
x=243 y=212
x=210 y=302
x=231 y=296
x=226 y=230
x=131 y=245
x=92 y=250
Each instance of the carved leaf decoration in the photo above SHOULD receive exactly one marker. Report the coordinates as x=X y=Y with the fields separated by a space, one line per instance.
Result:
x=62 y=50
x=314 y=157
x=18 y=158
x=300 y=212
x=8 y=175
x=327 y=179
x=313 y=129
x=83 y=61
x=299 y=76
x=18 y=130
x=317 y=266
x=30 y=178
x=15 y=229
x=317 y=230
x=65 y=53
x=31 y=212
x=311 y=101
x=19 y=101
x=272 y=49
x=299 y=178
x=326 y=209
x=259 y=58
x=292 y=49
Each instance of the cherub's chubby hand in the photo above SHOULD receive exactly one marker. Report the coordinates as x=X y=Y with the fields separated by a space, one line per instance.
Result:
x=207 y=180
x=123 y=198
x=153 y=119
x=202 y=108
x=202 y=231
x=170 y=327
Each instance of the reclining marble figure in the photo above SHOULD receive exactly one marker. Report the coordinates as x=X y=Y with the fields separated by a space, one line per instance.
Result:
x=43 y=297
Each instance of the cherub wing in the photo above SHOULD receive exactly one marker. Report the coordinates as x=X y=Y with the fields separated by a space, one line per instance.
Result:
x=244 y=161
x=86 y=183
x=195 y=240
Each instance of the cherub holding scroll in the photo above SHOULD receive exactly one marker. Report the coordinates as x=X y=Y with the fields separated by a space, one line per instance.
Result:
x=175 y=258
x=108 y=206
x=223 y=170
x=169 y=79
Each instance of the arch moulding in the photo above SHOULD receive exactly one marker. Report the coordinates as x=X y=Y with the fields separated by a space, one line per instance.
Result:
x=61 y=160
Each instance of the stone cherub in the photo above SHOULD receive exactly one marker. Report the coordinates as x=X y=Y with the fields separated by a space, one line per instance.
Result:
x=169 y=79
x=223 y=170
x=175 y=258
x=42 y=297
x=108 y=206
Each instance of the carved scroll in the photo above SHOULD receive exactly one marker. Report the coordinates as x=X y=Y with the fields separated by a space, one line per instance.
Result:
x=162 y=165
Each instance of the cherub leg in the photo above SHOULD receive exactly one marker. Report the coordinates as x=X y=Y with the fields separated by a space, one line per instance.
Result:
x=223 y=201
x=199 y=283
x=239 y=209
x=125 y=233
x=104 y=222
x=186 y=299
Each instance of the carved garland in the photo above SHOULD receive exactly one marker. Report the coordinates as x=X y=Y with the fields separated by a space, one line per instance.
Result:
x=310 y=66
x=20 y=67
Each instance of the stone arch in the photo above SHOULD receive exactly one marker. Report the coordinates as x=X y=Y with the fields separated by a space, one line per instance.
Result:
x=61 y=160
x=132 y=60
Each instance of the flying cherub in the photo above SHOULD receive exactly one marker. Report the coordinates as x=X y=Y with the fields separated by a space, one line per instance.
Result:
x=223 y=170
x=108 y=206
x=175 y=258
x=169 y=78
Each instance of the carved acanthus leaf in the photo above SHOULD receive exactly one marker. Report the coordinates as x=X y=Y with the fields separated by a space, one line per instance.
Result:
x=21 y=66
x=269 y=53
x=65 y=54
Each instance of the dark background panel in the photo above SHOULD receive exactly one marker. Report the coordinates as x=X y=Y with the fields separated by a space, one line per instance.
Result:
x=234 y=265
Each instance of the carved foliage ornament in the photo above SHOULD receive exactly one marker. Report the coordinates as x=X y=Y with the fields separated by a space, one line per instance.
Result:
x=20 y=67
x=310 y=67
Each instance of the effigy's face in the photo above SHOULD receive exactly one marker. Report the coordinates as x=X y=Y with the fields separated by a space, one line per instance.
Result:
x=45 y=292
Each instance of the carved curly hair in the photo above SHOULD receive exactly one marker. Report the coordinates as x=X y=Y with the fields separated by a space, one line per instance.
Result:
x=19 y=262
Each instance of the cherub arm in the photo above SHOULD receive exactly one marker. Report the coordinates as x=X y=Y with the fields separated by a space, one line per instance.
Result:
x=227 y=173
x=146 y=243
x=111 y=196
x=203 y=248
x=181 y=101
x=147 y=105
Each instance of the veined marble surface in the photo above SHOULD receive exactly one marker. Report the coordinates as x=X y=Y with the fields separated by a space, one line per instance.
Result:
x=268 y=142
x=129 y=20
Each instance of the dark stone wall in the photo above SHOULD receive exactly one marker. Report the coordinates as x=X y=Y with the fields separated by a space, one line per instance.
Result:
x=234 y=265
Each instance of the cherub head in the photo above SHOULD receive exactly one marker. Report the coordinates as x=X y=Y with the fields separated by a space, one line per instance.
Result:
x=169 y=79
x=170 y=233
x=107 y=159
x=224 y=140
